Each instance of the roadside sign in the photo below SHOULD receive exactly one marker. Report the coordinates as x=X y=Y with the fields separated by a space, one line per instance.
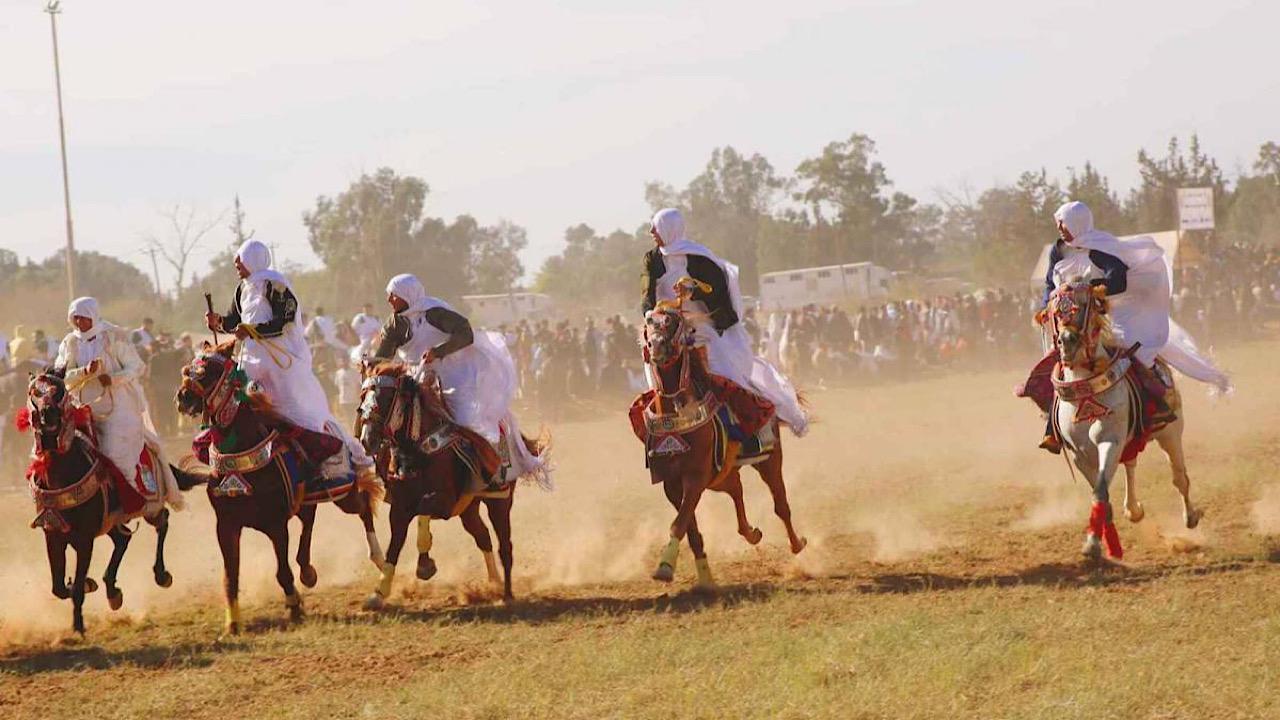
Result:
x=1195 y=208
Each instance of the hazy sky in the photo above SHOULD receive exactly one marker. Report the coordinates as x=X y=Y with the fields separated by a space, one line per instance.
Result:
x=554 y=113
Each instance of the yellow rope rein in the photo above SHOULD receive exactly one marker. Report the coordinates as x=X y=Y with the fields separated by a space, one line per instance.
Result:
x=274 y=350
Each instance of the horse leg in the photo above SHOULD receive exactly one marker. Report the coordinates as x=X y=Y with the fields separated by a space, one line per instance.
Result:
x=676 y=492
x=279 y=535
x=732 y=486
x=500 y=517
x=84 y=553
x=1101 y=524
x=1170 y=440
x=306 y=571
x=1132 y=506
x=479 y=532
x=705 y=580
x=55 y=546
x=400 y=519
x=771 y=472
x=426 y=566
x=229 y=543
x=120 y=543
x=161 y=523
x=370 y=534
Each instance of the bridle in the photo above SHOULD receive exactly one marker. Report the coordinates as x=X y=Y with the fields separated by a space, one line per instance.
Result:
x=46 y=393
x=1066 y=313
x=222 y=400
x=679 y=341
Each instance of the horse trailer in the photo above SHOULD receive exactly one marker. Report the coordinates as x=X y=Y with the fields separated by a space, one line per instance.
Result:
x=849 y=284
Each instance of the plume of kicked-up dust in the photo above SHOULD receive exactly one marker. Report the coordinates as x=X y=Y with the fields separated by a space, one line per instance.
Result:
x=1265 y=511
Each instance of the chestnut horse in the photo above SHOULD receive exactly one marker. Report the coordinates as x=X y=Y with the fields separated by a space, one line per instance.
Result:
x=71 y=481
x=408 y=417
x=684 y=409
x=258 y=490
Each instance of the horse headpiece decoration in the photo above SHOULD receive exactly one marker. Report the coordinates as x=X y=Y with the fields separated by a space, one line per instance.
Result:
x=1077 y=315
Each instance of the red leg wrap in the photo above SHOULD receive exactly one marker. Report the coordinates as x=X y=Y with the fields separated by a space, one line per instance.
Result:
x=1112 y=537
x=1098 y=519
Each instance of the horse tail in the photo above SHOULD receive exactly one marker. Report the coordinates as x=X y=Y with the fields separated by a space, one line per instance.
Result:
x=371 y=485
x=540 y=445
x=189 y=473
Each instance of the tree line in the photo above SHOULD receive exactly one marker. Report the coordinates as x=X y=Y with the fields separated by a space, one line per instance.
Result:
x=838 y=206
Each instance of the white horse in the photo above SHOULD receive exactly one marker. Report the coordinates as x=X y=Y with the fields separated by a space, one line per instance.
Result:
x=1095 y=412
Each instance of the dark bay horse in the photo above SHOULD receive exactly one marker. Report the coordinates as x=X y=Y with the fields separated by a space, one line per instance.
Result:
x=682 y=409
x=77 y=498
x=429 y=459
x=258 y=474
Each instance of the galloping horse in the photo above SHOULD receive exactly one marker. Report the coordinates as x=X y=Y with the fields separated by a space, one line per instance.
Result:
x=682 y=429
x=1099 y=412
x=433 y=458
x=77 y=497
x=261 y=474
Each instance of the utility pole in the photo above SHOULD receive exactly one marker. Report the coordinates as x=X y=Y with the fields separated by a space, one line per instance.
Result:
x=53 y=8
x=155 y=269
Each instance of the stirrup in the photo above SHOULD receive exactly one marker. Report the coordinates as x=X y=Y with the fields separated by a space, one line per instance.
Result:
x=1052 y=444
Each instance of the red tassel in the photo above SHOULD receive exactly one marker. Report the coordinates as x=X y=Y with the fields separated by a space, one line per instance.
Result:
x=22 y=420
x=1112 y=537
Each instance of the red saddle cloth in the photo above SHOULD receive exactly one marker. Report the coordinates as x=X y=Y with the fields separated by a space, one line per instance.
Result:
x=1039 y=384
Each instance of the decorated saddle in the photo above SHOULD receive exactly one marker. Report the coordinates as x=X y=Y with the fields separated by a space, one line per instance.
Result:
x=1047 y=390
x=314 y=466
x=736 y=414
x=124 y=499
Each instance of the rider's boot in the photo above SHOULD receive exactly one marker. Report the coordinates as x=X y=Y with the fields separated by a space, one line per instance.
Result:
x=1050 y=441
x=1155 y=390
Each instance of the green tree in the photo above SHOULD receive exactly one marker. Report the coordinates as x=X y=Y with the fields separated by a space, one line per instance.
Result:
x=1254 y=211
x=1153 y=205
x=1093 y=189
x=1011 y=226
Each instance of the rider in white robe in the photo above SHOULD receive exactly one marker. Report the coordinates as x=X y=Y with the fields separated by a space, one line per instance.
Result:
x=477 y=374
x=104 y=371
x=729 y=351
x=278 y=358
x=1140 y=313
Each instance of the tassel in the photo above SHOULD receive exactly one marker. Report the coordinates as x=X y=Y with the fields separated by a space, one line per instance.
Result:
x=22 y=420
x=1098 y=519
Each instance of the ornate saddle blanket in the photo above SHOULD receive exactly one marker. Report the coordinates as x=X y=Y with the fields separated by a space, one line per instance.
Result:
x=294 y=453
x=663 y=434
x=123 y=499
x=1144 y=421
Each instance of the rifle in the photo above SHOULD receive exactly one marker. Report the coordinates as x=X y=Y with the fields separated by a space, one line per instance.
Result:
x=208 y=302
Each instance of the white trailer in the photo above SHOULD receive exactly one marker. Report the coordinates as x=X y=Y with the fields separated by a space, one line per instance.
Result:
x=491 y=311
x=852 y=283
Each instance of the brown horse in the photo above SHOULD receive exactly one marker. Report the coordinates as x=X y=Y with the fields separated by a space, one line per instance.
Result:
x=430 y=473
x=682 y=410
x=77 y=499
x=257 y=479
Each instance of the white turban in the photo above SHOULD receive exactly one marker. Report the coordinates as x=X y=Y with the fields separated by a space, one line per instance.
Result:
x=409 y=288
x=85 y=307
x=670 y=225
x=1077 y=218
x=256 y=258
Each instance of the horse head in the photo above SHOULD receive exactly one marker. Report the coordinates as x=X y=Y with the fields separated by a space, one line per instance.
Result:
x=666 y=335
x=207 y=383
x=49 y=404
x=1077 y=313
x=395 y=404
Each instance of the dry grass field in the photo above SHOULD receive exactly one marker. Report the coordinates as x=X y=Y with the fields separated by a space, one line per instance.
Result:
x=942 y=580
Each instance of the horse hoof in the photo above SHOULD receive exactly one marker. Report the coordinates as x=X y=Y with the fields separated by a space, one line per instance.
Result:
x=307 y=574
x=164 y=579
x=374 y=602
x=62 y=593
x=90 y=585
x=426 y=569
x=115 y=600
x=1136 y=516
x=1092 y=548
x=796 y=549
x=297 y=614
x=230 y=631
x=754 y=537
x=1193 y=518
x=664 y=573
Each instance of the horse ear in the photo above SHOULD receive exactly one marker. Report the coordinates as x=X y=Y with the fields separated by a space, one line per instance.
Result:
x=205 y=345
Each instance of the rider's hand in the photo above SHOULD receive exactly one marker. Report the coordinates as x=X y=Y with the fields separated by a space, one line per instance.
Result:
x=105 y=380
x=213 y=320
x=429 y=357
x=242 y=332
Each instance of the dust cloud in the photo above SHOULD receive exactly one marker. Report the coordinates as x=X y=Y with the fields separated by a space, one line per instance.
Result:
x=893 y=471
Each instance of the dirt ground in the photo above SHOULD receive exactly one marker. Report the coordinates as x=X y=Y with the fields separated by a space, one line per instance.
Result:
x=942 y=579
